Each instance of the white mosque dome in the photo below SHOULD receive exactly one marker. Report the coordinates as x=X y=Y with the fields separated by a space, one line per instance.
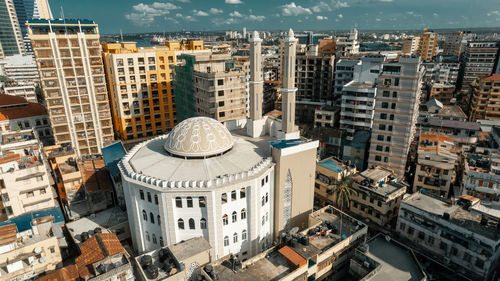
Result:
x=199 y=137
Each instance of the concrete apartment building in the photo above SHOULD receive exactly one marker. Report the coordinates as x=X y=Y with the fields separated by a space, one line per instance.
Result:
x=315 y=75
x=460 y=235
x=442 y=92
x=23 y=162
x=68 y=56
x=28 y=254
x=481 y=176
x=453 y=44
x=478 y=61
x=378 y=195
x=411 y=46
x=24 y=89
x=486 y=99
x=11 y=37
x=326 y=116
x=140 y=89
x=428 y=43
x=344 y=73
x=442 y=70
x=347 y=45
x=437 y=164
x=20 y=68
x=328 y=171
x=102 y=257
x=358 y=98
x=18 y=114
x=205 y=86
x=396 y=113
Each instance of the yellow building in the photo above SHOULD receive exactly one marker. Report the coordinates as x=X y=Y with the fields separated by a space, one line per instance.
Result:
x=411 y=45
x=428 y=43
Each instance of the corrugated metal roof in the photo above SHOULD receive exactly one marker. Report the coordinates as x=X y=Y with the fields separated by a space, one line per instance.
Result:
x=292 y=256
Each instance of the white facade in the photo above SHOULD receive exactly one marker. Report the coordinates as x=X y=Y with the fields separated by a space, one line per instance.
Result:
x=358 y=99
x=26 y=90
x=19 y=68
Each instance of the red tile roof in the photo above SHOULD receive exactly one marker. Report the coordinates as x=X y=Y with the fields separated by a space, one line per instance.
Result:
x=11 y=100
x=8 y=234
x=495 y=76
x=67 y=273
x=22 y=111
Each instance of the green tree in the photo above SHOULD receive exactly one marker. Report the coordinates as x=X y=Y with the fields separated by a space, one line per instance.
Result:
x=342 y=189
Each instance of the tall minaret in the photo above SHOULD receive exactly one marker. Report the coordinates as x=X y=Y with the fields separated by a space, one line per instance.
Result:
x=256 y=89
x=288 y=88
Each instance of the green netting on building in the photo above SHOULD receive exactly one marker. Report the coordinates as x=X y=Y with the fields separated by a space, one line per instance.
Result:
x=183 y=88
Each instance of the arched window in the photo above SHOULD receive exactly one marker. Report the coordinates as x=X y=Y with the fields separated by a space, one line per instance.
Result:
x=154 y=238
x=243 y=214
x=226 y=241
x=203 y=223
x=202 y=202
x=189 y=202
x=223 y=198
x=267 y=197
x=243 y=193
x=158 y=218
x=233 y=195
x=152 y=218
x=180 y=223
x=235 y=237
x=178 y=202
x=225 y=220
x=161 y=241
x=235 y=216
x=191 y=224
x=144 y=215
x=156 y=199
x=244 y=235
x=263 y=200
x=147 y=235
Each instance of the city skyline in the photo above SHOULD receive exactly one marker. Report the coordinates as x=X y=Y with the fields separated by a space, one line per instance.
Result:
x=178 y=15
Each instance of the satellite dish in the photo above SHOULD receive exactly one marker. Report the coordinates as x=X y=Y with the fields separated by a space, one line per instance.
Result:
x=294 y=230
x=388 y=238
x=43 y=259
x=37 y=250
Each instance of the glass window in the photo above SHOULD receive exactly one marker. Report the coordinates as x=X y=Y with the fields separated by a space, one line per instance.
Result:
x=235 y=216
x=147 y=235
x=180 y=223
x=223 y=198
x=226 y=241
x=243 y=214
x=191 y=223
x=141 y=194
x=203 y=223
x=235 y=237
x=242 y=192
x=202 y=201
x=189 y=202
x=233 y=195
x=152 y=217
x=149 y=197
x=225 y=220
x=154 y=238
x=156 y=199
x=144 y=215
x=243 y=235
x=158 y=218
x=178 y=202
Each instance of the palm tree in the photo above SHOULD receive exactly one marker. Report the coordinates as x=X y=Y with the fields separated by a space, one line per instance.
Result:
x=342 y=189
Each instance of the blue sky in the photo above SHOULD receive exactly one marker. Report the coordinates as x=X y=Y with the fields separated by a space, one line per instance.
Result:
x=176 y=15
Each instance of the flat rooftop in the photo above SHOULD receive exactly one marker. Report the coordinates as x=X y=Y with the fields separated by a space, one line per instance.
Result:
x=398 y=263
x=458 y=216
x=332 y=164
x=378 y=180
x=189 y=248
x=272 y=267
x=153 y=160
x=105 y=219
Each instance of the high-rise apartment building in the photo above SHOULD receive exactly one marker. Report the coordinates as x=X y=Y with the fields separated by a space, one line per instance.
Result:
x=20 y=68
x=140 y=89
x=68 y=56
x=479 y=60
x=206 y=86
x=485 y=99
x=358 y=99
x=452 y=43
x=10 y=30
x=315 y=75
x=411 y=45
x=428 y=43
x=31 y=9
x=347 y=45
x=344 y=73
x=396 y=112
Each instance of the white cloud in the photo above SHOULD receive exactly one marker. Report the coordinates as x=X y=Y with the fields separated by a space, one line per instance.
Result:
x=179 y=15
x=145 y=14
x=321 y=17
x=215 y=11
x=294 y=10
x=235 y=14
x=189 y=18
x=377 y=19
x=410 y=13
x=340 y=16
x=233 y=2
x=385 y=0
x=321 y=7
x=256 y=18
x=200 y=13
x=493 y=13
x=183 y=1
x=435 y=14
x=221 y=21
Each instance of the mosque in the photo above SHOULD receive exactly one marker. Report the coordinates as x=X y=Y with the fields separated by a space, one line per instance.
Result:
x=238 y=184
